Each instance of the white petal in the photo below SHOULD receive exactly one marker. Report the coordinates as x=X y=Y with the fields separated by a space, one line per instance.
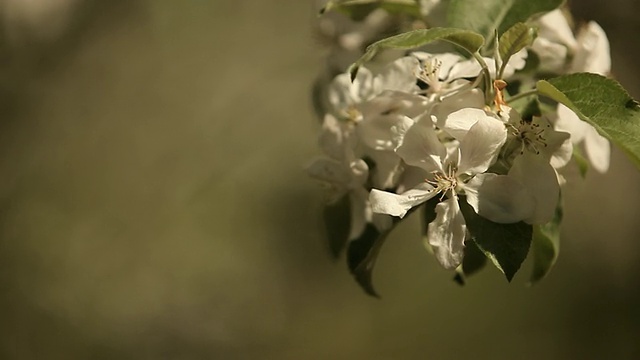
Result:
x=403 y=103
x=384 y=202
x=563 y=154
x=420 y=146
x=598 y=150
x=375 y=131
x=596 y=146
x=539 y=178
x=553 y=56
x=554 y=27
x=554 y=140
x=400 y=130
x=344 y=93
x=468 y=99
x=459 y=122
x=480 y=146
x=593 y=53
x=446 y=234
x=399 y=76
x=516 y=62
x=382 y=113
x=569 y=122
x=499 y=198
x=464 y=69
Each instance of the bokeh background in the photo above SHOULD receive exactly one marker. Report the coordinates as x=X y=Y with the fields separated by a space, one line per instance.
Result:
x=153 y=204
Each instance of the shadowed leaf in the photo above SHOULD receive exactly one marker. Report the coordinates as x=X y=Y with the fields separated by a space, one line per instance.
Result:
x=546 y=246
x=474 y=260
x=337 y=224
x=506 y=245
x=363 y=252
x=362 y=255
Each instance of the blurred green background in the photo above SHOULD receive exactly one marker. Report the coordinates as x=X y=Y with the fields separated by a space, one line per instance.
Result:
x=153 y=204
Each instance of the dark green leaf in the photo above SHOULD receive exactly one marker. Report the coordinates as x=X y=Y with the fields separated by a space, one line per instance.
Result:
x=337 y=223
x=506 y=245
x=467 y=40
x=545 y=246
x=472 y=262
x=362 y=254
x=601 y=102
x=515 y=39
x=486 y=16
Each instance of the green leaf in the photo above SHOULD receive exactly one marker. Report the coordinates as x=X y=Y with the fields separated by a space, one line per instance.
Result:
x=359 y=9
x=467 y=40
x=485 y=16
x=473 y=261
x=601 y=102
x=546 y=246
x=515 y=39
x=506 y=245
x=337 y=224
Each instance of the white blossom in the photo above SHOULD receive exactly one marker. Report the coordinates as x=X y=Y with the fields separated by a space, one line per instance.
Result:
x=342 y=172
x=536 y=149
x=373 y=104
x=590 y=53
x=596 y=146
x=345 y=95
x=450 y=171
x=560 y=51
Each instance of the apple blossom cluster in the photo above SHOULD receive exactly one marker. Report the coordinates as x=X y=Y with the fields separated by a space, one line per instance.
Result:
x=465 y=137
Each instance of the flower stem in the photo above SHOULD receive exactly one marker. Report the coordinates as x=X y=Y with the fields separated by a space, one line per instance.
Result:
x=488 y=89
x=523 y=95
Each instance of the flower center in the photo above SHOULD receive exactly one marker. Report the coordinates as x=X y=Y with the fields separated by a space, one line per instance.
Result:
x=351 y=114
x=430 y=74
x=531 y=136
x=444 y=183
